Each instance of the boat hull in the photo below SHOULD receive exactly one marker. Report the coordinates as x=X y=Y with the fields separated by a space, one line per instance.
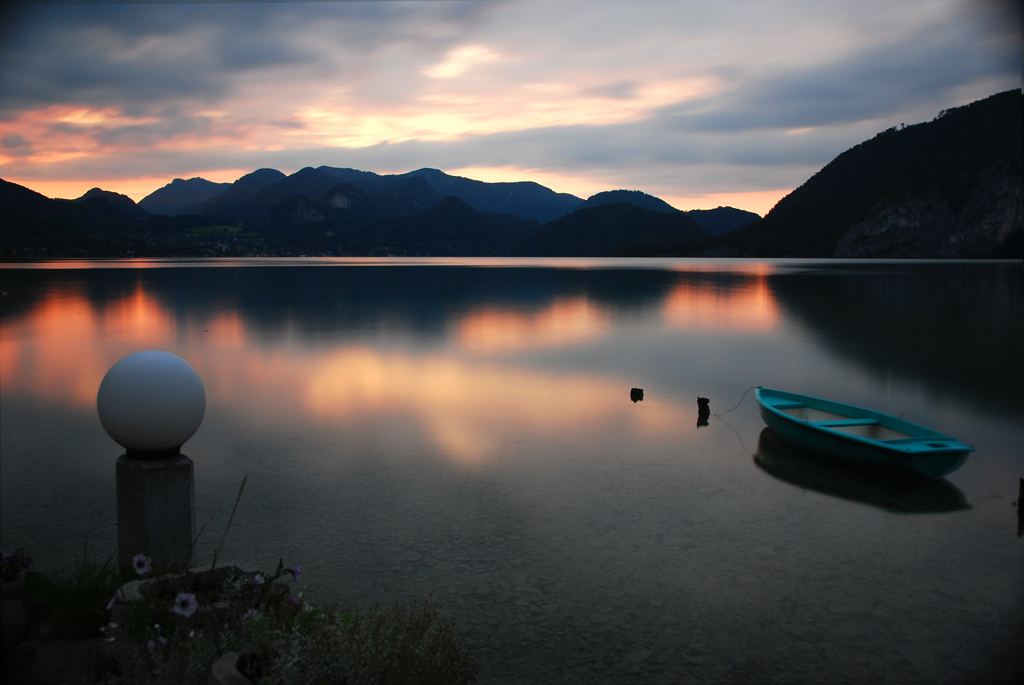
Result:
x=844 y=432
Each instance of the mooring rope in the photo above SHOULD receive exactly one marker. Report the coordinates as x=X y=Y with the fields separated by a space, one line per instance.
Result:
x=743 y=443
x=741 y=400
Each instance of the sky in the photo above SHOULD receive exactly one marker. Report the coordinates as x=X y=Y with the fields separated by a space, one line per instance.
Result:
x=701 y=103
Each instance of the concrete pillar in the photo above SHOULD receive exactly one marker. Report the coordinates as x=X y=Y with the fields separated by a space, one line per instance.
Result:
x=156 y=510
x=151 y=403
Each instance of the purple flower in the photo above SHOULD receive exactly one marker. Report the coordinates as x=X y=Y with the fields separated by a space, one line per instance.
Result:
x=249 y=615
x=142 y=564
x=151 y=646
x=293 y=600
x=185 y=604
x=296 y=572
x=257 y=579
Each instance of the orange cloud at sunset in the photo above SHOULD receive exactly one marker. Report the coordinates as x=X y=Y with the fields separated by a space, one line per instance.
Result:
x=441 y=113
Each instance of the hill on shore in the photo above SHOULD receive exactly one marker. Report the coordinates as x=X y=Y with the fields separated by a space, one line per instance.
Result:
x=950 y=187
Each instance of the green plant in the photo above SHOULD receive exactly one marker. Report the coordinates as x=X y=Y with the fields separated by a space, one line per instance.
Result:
x=73 y=603
x=15 y=563
x=184 y=622
x=407 y=644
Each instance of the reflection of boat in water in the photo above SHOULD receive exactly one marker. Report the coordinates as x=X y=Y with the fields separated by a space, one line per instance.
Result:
x=905 y=493
x=860 y=436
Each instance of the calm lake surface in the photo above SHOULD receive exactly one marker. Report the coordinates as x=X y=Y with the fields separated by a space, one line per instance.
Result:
x=465 y=427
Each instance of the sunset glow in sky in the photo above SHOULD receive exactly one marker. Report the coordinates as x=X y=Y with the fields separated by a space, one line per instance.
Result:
x=703 y=103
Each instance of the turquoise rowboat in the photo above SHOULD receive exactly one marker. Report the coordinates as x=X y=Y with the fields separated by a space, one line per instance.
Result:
x=860 y=436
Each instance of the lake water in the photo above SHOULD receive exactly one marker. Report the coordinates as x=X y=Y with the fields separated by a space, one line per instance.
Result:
x=465 y=427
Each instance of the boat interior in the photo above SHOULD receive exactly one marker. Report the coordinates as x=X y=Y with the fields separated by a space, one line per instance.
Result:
x=808 y=414
x=872 y=431
x=863 y=428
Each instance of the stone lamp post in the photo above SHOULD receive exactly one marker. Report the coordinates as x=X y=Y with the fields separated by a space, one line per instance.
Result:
x=151 y=403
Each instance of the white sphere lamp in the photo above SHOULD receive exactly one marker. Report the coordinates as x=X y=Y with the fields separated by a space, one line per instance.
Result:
x=151 y=403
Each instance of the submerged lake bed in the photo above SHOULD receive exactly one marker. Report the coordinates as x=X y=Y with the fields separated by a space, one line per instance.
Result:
x=465 y=427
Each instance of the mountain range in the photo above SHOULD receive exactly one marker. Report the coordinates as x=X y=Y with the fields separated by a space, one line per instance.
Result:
x=946 y=188
x=329 y=210
x=252 y=196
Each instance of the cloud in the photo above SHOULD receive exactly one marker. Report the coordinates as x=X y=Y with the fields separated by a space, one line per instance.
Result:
x=135 y=56
x=13 y=141
x=880 y=81
x=461 y=60
x=684 y=98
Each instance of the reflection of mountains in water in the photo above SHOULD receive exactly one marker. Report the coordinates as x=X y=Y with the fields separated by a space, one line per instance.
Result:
x=899 y=493
x=954 y=327
x=324 y=299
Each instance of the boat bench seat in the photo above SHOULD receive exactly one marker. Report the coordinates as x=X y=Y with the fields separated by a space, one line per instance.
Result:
x=845 y=422
x=785 y=404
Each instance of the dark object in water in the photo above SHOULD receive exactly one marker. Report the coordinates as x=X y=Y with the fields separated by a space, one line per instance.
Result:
x=703 y=411
x=1020 y=508
x=636 y=394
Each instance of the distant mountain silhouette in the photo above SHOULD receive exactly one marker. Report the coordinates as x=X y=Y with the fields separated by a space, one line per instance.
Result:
x=413 y=195
x=950 y=187
x=342 y=205
x=98 y=212
x=524 y=199
x=716 y=221
x=172 y=198
x=450 y=228
x=98 y=224
x=632 y=197
x=29 y=220
x=241 y=190
x=722 y=220
x=252 y=198
x=618 y=229
x=348 y=205
x=255 y=210
x=121 y=203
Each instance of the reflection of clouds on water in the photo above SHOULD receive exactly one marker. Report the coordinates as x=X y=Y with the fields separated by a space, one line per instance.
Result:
x=59 y=350
x=470 y=409
x=563 y=322
x=747 y=305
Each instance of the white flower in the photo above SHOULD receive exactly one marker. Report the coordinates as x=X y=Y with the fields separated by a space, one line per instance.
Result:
x=185 y=604
x=142 y=564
